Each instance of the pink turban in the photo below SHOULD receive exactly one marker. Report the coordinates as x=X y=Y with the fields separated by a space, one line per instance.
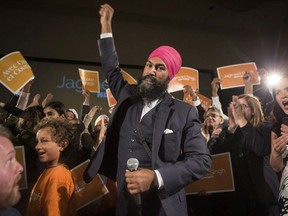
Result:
x=170 y=57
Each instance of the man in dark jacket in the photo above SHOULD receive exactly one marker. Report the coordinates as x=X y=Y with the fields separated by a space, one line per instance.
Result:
x=163 y=133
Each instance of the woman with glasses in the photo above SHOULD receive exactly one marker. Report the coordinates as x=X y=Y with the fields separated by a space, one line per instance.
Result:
x=212 y=126
x=248 y=141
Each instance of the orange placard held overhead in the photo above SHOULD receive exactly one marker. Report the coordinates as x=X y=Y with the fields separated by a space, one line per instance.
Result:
x=15 y=72
x=128 y=77
x=232 y=76
x=205 y=101
x=186 y=76
x=90 y=80
x=111 y=100
x=188 y=98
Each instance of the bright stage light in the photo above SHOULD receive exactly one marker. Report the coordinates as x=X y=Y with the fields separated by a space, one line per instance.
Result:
x=273 y=79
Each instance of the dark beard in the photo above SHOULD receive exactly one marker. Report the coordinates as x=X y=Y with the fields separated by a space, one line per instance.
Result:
x=153 y=90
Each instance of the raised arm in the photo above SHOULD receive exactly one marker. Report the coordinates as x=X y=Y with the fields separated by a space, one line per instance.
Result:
x=215 y=97
x=108 y=54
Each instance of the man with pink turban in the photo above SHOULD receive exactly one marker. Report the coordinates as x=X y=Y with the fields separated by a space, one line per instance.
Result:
x=153 y=146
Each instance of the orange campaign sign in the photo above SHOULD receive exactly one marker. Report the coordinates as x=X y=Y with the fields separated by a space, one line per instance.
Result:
x=111 y=100
x=232 y=76
x=128 y=77
x=20 y=157
x=87 y=193
x=186 y=76
x=205 y=101
x=15 y=72
x=188 y=98
x=220 y=178
x=90 y=80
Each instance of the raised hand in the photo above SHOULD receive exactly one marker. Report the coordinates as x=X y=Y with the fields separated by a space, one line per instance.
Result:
x=247 y=77
x=231 y=121
x=215 y=84
x=86 y=95
x=35 y=101
x=47 y=99
x=93 y=110
x=106 y=14
x=248 y=81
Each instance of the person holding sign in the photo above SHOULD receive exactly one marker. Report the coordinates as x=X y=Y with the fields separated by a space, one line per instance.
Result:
x=53 y=193
x=215 y=83
x=148 y=124
x=10 y=174
x=191 y=97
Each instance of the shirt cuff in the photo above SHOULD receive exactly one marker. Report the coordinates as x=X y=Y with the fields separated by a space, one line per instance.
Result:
x=215 y=99
x=25 y=94
x=159 y=179
x=197 y=102
x=106 y=35
x=86 y=103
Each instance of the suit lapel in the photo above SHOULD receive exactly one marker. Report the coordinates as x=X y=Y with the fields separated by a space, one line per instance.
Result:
x=160 y=122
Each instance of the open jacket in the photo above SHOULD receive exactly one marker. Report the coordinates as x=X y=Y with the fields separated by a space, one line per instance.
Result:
x=181 y=157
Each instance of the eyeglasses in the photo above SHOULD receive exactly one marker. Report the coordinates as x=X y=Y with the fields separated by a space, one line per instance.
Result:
x=212 y=115
x=244 y=106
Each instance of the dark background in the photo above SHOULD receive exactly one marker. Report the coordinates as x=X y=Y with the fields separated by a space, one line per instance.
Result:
x=58 y=37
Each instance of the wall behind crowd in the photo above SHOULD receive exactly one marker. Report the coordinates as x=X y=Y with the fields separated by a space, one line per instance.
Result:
x=57 y=39
x=63 y=81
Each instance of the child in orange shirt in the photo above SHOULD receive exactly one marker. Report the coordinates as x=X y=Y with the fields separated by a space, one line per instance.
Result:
x=53 y=193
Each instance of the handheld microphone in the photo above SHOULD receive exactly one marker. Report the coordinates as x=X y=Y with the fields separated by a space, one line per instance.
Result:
x=132 y=165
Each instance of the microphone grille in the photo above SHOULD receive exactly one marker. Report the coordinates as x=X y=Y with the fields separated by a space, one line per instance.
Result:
x=132 y=164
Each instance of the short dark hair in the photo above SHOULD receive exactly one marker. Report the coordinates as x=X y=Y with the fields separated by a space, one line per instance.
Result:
x=58 y=106
x=30 y=117
x=61 y=131
x=5 y=132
